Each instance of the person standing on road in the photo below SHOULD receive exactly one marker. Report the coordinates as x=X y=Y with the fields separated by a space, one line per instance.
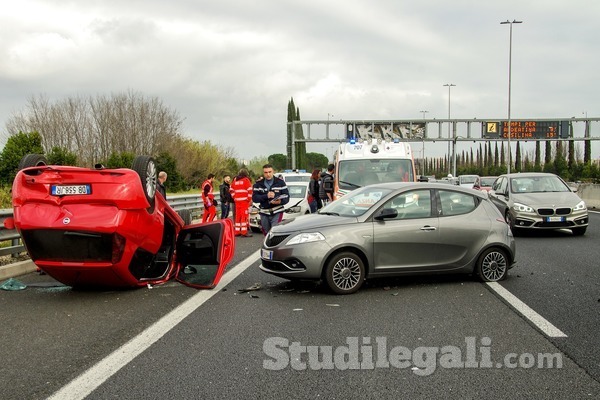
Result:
x=208 y=198
x=241 y=193
x=326 y=185
x=226 y=198
x=271 y=193
x=313 y=190
x=160 y=185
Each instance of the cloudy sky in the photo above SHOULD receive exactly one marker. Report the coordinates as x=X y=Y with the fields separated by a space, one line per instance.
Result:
x=229 y=67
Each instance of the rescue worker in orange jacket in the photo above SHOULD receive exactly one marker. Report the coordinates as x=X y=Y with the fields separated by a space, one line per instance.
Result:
x=208 y=198
x=241 y=191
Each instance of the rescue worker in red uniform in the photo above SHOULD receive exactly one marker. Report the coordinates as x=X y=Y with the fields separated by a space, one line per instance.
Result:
x=208 y=198
x=241 y=191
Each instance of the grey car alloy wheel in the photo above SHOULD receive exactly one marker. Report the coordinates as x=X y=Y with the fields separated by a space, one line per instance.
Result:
x=345 y=273
x=492 y=265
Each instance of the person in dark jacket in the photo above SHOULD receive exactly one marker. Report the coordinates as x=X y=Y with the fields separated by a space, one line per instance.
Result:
x=313 y=190
x=271 y=193
x=326 y=185
x=160 y=184
x=226 y=198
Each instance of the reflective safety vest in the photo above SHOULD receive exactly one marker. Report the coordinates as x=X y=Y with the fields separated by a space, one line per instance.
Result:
x=241 y=189
x=207 y=196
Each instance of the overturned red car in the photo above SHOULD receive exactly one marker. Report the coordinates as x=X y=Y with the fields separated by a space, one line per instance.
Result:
x=109 y=227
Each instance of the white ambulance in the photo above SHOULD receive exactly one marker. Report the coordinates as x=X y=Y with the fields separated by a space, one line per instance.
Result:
x=364 y=162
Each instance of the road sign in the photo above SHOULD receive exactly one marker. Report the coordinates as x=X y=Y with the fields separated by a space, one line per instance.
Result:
x=523 y=130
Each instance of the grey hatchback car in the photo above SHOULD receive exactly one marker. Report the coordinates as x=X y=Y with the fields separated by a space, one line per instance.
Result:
x=392 y=229
x=538 y=200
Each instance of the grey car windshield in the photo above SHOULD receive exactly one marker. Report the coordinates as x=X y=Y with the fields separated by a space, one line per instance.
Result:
x=356 y=203
x=538 y=184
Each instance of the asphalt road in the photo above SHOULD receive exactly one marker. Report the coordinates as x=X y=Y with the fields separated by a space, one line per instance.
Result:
x=53 y=334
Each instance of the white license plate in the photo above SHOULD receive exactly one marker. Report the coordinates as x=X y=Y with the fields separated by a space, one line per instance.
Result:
x=554 y=219
x=266 y=254
x=67 y=190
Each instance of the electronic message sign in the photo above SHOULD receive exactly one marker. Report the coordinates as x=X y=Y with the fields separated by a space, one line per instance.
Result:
x=523 y=130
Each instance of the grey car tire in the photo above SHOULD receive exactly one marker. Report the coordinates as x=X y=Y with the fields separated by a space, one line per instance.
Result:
x=345 y=273
x=492 y=265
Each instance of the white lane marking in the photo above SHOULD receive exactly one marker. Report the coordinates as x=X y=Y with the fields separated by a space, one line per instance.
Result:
x=543 y=324
x=85 y=383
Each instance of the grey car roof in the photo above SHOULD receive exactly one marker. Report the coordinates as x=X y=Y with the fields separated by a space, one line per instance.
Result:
x=528 y=174
x=429 y=185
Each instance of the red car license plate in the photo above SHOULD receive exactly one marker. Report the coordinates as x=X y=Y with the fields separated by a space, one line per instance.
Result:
x=67 y=190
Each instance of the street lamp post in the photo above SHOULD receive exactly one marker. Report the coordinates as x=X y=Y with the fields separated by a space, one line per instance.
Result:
x=423 y=150
x=449 y=123
x=327 y=127
x=509 y=82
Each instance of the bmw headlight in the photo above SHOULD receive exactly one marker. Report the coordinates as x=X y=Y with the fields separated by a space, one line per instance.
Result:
x=580 y=206
x=306 y=238
x=295 y=209
x=518 y=207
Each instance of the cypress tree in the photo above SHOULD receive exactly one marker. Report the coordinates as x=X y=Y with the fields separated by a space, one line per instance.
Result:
x=496 y=160
x=518 y=157
x=538 y=155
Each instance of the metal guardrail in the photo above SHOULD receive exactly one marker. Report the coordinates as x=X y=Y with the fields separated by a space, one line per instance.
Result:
x=192 y=202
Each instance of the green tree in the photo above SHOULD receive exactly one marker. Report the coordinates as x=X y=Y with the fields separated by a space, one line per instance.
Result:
x=560 y=162
x=278 y=161
x=496 y=157
x=547 y=153
x=119 y=160
x=232 y=167
x=587 y=149
x=16 y=147
x=316 y=161
x=518 y=158
x=175 y=182
x=537 y=167
x=290 y=117
x=60 y=156
x=300 y=147
x=255 y=167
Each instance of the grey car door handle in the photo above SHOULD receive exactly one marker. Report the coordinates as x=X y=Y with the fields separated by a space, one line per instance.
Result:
x=428 y=228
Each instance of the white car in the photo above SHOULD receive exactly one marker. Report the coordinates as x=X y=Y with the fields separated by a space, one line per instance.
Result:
x=294 y=175
x=467 y=181
x=296 y=207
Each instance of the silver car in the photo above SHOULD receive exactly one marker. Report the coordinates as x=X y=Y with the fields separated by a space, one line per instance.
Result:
x=539 y=200
x=392 y=229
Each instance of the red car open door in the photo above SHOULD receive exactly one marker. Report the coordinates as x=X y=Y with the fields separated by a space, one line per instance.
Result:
x=203 y=252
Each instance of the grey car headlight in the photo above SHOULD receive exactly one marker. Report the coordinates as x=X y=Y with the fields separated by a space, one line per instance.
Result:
x=306 y=238
x=518 y=207
x=295 y=209
x=580 y=206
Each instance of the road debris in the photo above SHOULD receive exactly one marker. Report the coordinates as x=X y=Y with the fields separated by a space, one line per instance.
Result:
x=12 y=284
x=256 y=286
